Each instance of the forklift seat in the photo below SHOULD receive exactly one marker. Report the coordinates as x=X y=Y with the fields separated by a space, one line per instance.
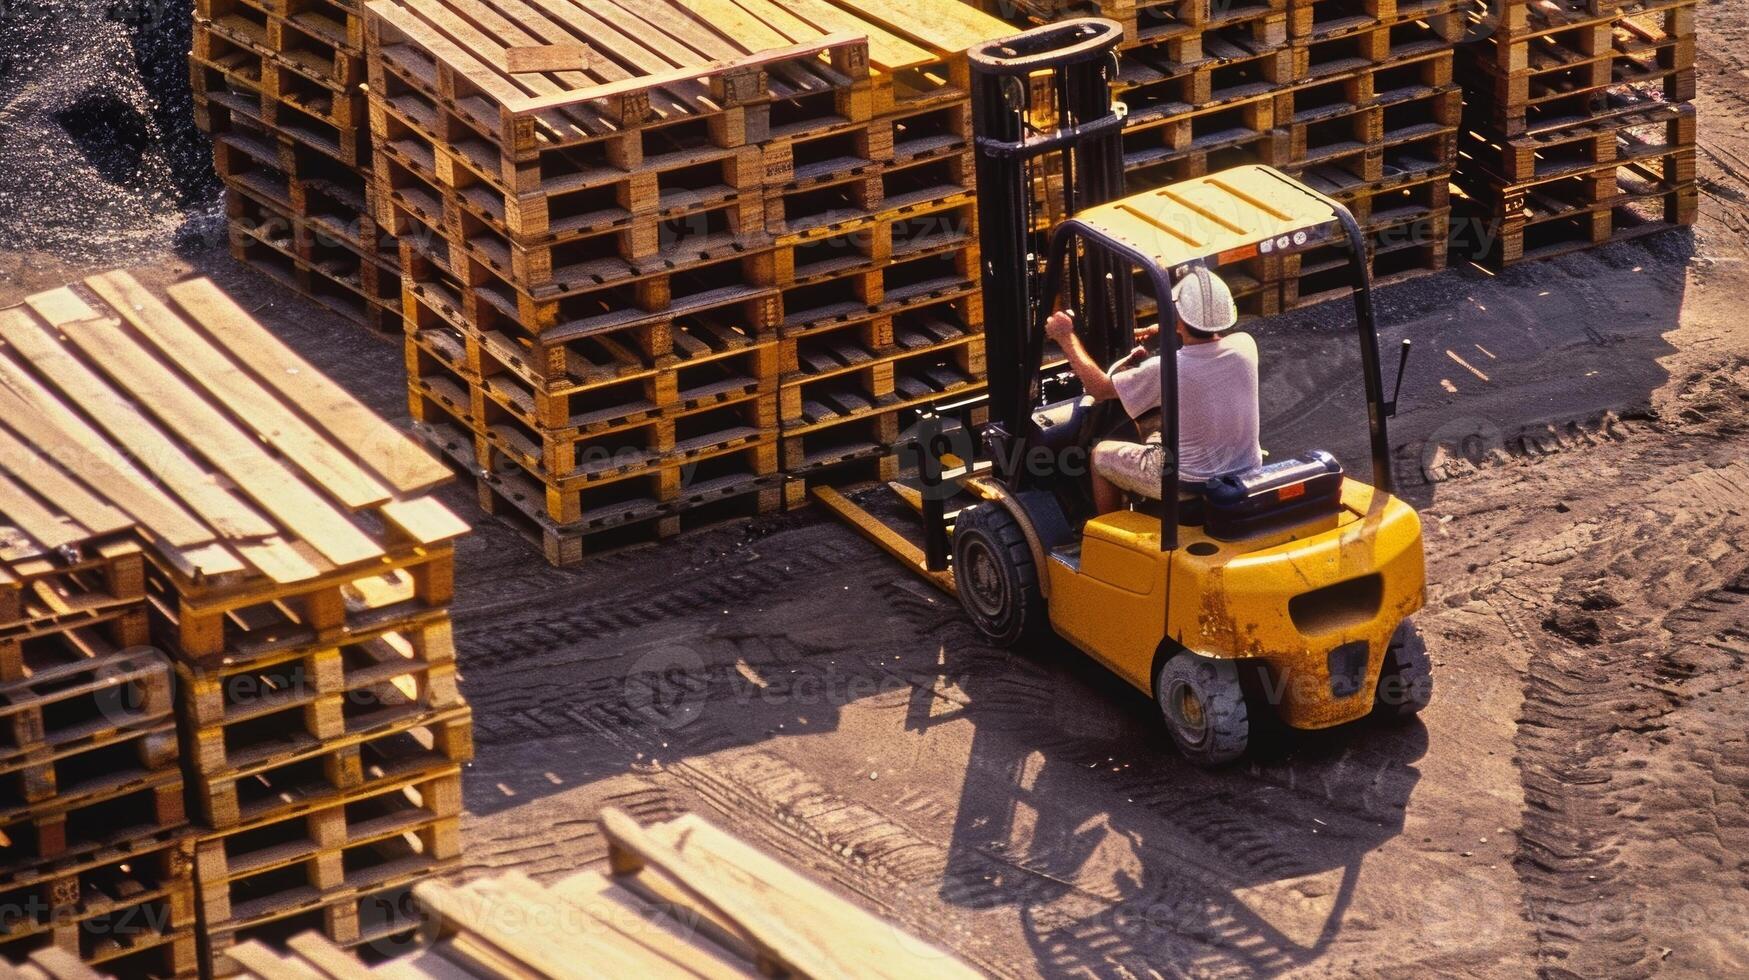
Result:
x=1272 y=497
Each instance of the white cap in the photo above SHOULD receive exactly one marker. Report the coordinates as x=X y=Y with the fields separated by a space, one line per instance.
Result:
x=1204 y=302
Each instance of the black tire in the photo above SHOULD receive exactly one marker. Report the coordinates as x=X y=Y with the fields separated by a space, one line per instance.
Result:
x=1405 y=678
x=1203 y=704
x=995 y=576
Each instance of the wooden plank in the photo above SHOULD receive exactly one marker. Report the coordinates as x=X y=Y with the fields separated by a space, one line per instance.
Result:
x=685 y=74
x=853 y=941
x=782 y=942
x=261 y=477
x=320 y=953
x=554 y=29
x=393 y=455
x=517 y=950
x=272 y=421
x=580 y=16
x=948 y=26
x=657 y=40
x=681 y=25
x=778 y=19
x=886 y=50
x=657 y=928
x=424 y=519
x=548 y=58
x=49 y=483
x=473 y=35
x=143 y=440
x=613 y=955
x=736 y=24
x=400 y=14
x=46 y=528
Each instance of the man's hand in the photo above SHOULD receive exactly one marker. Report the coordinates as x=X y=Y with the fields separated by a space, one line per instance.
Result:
x=1060 y=326
x=1147 y=334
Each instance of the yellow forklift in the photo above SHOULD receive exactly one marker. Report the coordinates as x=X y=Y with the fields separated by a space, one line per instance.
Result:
x=1284 y=590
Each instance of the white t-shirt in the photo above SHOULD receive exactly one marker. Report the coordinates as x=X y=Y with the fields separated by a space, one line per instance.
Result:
x=1217 y=405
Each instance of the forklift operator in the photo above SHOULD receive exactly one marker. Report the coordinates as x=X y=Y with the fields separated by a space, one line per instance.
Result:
x=1217 y=396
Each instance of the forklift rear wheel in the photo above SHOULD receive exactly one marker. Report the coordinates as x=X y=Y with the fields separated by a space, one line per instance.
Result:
x=995 y=575
x=1204 y=707
x=1405 y=678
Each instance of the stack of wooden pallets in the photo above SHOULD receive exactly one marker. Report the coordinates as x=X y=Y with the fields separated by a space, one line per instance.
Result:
x=1579 y=127
x=298 y=574
x=1355 y=97
x=95 y=853
x=279 y=85
x=663 y=256
x=679 y=898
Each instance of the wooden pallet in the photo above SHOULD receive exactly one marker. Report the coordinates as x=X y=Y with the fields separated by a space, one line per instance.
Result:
x=360 y=923
x=714 y=498
x=1562 y=72
x=109 y=906
x=230 y=69
x=1582 y=147
x=290 y=783
x=261 y=711
x=333 y=867
x=100 y=720
x=117 y=812
x=326 y=493
x=838 y=378
x=1648 y=190
x=360 y=840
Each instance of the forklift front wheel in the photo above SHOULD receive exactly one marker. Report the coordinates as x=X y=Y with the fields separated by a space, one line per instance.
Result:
x=995 y=575
x=1204 y=707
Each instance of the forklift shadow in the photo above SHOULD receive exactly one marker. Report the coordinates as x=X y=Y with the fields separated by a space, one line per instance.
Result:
x=1121 y=857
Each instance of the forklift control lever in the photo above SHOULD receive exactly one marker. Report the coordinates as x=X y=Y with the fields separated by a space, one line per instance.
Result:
x=1402 y=366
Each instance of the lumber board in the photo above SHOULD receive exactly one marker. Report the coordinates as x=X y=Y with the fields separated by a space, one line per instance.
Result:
x=607 y=901
x=655 y=39
x=25 y=513
x=273 y=422
x=949 y=28
x=261 y=477
x=736 y=24
x=854 y=941
x=680 y=75
x=97 y=516
x=143 y=438
x=41 y=419
x=554 y=29
x=885 y=49
x=683 y=28
x=394 y=456
x=458 y=59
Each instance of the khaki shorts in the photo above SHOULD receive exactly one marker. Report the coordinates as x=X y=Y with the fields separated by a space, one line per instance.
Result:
x=1131 y=466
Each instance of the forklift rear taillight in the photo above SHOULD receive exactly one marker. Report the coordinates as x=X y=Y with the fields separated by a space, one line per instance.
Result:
x=1292 y=491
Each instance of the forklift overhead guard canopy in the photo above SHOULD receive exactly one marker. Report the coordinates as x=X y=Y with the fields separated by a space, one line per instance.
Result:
x=1230 y=215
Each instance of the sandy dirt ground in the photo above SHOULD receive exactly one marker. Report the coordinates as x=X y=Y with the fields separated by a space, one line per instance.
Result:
x=1574 y=804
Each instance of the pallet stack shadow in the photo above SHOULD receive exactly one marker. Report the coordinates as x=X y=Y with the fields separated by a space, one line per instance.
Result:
x=279 y=86
x=1579 y=126
x=669 y=261
x=677 y=898
x=1354 y=97
x=95 y=851
x=297 y=575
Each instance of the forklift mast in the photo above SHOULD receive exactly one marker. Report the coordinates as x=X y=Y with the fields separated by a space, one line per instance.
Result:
x=1072 y=65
